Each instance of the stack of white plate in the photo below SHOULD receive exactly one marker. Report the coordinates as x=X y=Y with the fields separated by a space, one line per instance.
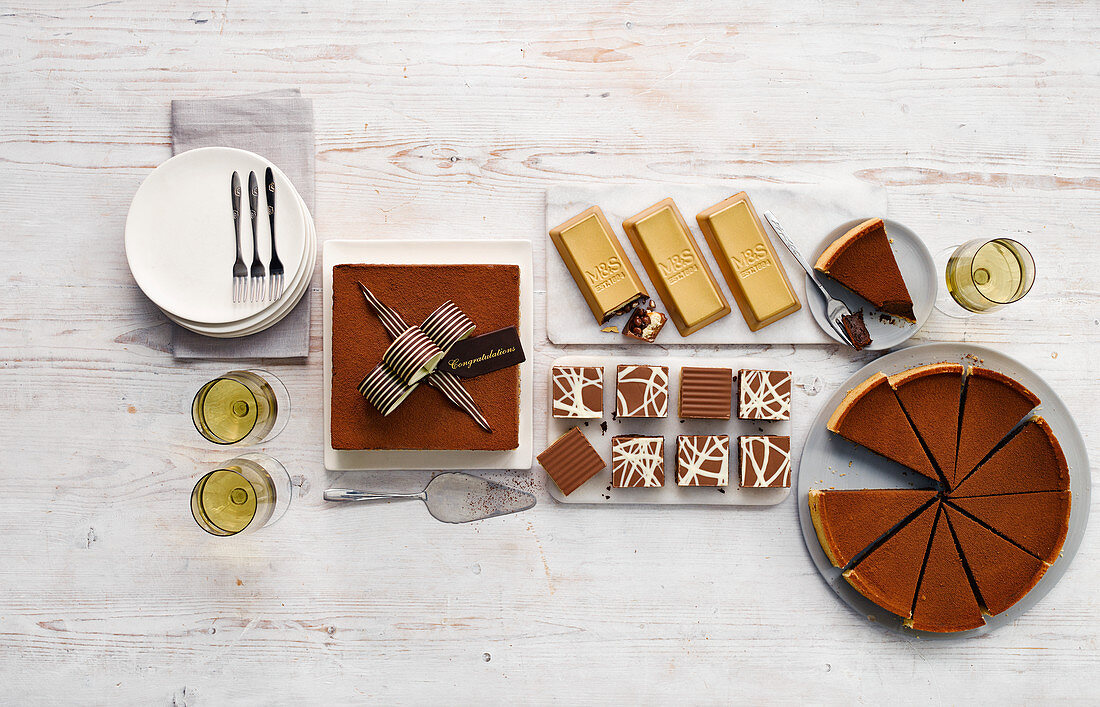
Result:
x=181 y=247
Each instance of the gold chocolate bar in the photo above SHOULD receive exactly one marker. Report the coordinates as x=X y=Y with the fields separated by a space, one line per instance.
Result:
x=598 y=264
x=747 y=260
x=670 y=256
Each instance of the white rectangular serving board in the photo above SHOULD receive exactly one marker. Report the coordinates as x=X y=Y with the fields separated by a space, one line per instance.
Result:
x=512 y=252
x=596 y=490
x=808 y=212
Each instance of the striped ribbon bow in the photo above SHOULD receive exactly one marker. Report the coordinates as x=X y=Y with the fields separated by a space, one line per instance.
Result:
x=413 y=356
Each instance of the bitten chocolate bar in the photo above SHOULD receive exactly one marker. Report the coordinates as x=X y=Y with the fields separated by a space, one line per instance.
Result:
x=748 y=262
x=679 y=273
x=598 y=264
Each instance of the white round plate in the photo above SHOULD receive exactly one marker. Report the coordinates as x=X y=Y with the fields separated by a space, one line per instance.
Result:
x=294 y=290
x=917 y=269
x=179 y=233
x=826 y=458
x=269 y=322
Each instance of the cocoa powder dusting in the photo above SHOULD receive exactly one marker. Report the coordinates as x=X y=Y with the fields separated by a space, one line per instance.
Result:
x=488 y=294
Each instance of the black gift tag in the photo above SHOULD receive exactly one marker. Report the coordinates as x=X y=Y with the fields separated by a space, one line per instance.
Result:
x=484 y=354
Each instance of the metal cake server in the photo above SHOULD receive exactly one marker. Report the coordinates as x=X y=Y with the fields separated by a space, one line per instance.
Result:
x=834 y=308
x=453 y=497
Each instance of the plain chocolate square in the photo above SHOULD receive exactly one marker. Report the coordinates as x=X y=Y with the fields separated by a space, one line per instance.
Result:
x=706 y=393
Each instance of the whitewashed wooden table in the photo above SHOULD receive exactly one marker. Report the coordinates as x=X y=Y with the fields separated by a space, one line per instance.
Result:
x=980 y=119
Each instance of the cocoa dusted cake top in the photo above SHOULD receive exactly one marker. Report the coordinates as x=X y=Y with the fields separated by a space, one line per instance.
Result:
x=487 y=294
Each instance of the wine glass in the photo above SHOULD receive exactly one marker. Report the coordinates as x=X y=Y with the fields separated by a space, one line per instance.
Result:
x=985 y=275
x=241 y=408
x=242 y=495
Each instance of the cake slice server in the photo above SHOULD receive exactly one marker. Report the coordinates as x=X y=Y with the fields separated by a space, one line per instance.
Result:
x=834 y=308
x=452 y=497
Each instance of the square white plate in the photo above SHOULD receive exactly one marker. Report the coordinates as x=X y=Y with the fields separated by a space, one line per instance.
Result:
x=403 y=252
x=596 y=490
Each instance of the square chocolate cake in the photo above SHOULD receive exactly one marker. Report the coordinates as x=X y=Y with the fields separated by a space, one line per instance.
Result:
x=576 y=391
x=637 y=460
x=487 y=294
x=765 y=461
x=703 y=460
x=641 y=391
x=764 y=395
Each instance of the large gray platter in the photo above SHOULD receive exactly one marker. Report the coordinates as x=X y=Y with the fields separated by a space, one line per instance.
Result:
x=831 y=462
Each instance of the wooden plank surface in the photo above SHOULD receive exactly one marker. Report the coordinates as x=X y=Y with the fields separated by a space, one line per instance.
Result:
x=980 y=118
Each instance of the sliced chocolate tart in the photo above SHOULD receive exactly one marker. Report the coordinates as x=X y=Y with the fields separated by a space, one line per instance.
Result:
x=931 y=397
x=1037 y=522
x=1003 y=573
x=945 y=600
x=889 y=574
x=871 y=416
x=1031 y=461
x=847 y=522
x=863 y=261
x=992 y=405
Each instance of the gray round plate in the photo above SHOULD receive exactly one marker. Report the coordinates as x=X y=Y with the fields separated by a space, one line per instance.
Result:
x=831 y=462
x=918 y=270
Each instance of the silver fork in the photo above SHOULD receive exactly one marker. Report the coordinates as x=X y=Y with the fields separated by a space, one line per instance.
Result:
x=275 y=268
x=257 y=271
x=834 y=308
x=240 y=271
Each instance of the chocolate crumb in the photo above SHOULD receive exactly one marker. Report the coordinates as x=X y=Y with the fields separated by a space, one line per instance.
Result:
x=603 y=427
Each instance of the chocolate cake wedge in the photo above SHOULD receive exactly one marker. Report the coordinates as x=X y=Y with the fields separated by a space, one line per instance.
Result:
x=945 y=601
x=1002 y=572
x=993 y=404
x=849 y=521
x=889 y=574
x=871 y=416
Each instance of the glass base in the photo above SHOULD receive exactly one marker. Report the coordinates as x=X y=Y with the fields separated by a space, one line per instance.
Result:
x=945 y=303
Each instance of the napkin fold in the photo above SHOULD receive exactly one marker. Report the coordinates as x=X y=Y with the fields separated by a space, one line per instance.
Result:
x=277 y=125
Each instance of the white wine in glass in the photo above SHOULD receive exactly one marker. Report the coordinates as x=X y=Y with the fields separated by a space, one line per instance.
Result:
x=241 y=407
x=242 y=495
x=986 y=275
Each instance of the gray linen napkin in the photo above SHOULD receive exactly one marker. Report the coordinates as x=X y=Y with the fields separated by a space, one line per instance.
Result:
x=277 y=125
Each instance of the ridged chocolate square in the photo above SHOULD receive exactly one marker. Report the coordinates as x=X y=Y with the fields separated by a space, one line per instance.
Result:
x=571 y=460
x=706 y=393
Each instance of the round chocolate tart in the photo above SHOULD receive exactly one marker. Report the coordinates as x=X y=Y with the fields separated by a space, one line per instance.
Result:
x=984 y=519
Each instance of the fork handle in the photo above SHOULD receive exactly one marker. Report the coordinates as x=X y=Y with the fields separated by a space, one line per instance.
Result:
x=269 y=189
x=770 y=218
x=235 y=195
x=253 y=204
